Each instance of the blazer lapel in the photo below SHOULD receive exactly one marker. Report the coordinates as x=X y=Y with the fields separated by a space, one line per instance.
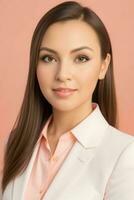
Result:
x=76 y=161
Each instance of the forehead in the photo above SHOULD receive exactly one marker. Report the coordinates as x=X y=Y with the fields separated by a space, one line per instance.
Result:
x=69 y=35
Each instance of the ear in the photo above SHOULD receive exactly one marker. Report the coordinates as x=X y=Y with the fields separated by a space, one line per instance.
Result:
x=104 y=66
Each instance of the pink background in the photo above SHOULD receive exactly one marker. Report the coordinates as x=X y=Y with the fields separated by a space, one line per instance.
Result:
x=17 y=22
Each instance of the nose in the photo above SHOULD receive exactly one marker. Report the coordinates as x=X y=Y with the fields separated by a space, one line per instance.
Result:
x=63 y=73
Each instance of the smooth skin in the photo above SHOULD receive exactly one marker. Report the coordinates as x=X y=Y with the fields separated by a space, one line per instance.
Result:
x=79 y=70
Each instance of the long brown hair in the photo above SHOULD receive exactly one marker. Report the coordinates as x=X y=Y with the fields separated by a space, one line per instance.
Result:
x=35 y=109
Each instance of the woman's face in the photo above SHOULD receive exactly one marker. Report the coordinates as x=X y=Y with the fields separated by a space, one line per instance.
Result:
x=70 y=67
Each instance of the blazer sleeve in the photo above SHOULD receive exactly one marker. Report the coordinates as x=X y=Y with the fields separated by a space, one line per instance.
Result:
x=121 y=181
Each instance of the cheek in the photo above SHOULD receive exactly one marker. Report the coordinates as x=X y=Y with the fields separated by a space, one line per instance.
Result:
x=89 y=80
x=44 y=77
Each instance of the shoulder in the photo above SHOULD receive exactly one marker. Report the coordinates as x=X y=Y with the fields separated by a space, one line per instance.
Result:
x=127 y=141
x=118 y=133
x=115 y=156
x=113 y=145
x=121 y=180
x=124 y=142
x=116 y=138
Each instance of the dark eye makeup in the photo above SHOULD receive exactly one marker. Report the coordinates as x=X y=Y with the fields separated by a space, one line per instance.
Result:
x=50 y=58
x=43 y=58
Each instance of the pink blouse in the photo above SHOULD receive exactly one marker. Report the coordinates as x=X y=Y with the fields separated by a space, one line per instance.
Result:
x=47 y=165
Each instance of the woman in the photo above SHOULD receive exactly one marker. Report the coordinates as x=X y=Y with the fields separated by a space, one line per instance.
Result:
x=65 y=144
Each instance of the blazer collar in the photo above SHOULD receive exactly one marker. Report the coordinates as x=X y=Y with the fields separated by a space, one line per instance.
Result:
x=90 y=131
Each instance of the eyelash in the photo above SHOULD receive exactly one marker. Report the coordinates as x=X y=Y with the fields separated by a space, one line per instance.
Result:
x=80 y=56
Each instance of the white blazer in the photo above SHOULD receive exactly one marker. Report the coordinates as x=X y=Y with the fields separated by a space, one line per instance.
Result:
x=101 y=167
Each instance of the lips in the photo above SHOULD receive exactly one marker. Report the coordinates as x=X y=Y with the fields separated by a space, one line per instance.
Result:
x=64 y=92
x=64 y=89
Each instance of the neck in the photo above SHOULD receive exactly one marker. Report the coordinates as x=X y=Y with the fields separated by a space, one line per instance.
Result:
x=63 y=121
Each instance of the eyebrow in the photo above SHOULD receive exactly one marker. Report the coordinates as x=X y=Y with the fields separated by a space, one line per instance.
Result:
x=74 y=50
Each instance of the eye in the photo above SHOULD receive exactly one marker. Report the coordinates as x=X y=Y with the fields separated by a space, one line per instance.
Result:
x=46 y=58
x=83 y=58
